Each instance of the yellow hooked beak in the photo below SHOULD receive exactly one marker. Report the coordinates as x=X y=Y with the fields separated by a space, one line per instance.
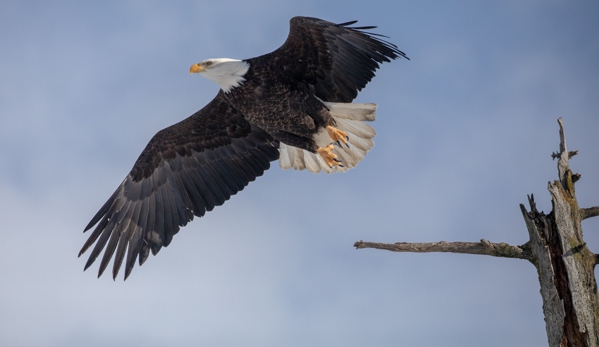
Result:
x=196 y=68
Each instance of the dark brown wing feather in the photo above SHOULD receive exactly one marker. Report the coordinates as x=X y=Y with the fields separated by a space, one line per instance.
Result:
x=334 y=61
x=185 y=170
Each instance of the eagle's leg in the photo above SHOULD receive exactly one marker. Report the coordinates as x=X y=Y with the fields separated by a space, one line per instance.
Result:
x=309 y=145
x=337 y=135
x=329 y=158
x=295 y=140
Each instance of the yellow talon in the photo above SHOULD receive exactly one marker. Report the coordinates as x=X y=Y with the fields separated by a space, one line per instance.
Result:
x=337 y=135
x=329 y=158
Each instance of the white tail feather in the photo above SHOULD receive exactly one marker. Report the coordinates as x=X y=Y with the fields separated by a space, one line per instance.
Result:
x=311 y=162
x=361 y=112
x=350 y=118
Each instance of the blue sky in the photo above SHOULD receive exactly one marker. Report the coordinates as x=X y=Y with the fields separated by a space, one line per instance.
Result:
x=464 y=132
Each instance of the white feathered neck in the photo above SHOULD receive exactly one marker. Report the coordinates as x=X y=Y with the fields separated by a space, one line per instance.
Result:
x=227 y=73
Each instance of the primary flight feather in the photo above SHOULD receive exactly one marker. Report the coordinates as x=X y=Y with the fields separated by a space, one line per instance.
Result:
x=293 y=104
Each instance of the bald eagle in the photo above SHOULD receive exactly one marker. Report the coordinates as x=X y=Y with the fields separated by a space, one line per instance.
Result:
x=293 y=104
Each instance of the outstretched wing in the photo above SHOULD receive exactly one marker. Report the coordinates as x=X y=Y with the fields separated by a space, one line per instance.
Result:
x=334 y=61
x=185 y=170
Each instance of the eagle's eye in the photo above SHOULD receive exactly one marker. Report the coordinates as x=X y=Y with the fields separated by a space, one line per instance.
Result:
x=208 y=63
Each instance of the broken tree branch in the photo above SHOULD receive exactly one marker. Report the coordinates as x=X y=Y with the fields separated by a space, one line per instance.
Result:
x=589 y=212
x=570 y=154
x=563 y=164
x=483 y=247
x=564 y=263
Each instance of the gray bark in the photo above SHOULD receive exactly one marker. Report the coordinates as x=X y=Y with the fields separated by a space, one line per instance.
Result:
x=483 y=247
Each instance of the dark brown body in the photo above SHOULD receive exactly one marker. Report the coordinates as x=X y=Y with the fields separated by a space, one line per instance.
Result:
x=290 y=115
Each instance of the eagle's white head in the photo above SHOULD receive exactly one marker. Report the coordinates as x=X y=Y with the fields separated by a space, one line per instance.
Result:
x=228 y=73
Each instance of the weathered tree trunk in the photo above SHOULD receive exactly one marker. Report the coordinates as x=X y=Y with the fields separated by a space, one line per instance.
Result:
x=556 y=247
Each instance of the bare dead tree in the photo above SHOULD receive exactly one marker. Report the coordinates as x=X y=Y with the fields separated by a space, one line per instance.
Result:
x=556 y=248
